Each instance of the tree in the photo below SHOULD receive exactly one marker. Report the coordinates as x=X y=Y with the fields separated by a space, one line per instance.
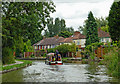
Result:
x=55 y=27
x=46 y=33
x=50 y=26
x=70 y=29
x=65 y=34
x=114 y=21
x=101 y=22
x=63 y=25
x=65 y=48
x=24 y=20
x=91 y=30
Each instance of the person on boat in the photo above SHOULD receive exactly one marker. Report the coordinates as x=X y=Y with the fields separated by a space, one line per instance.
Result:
x=57 y=52
x=59 y=59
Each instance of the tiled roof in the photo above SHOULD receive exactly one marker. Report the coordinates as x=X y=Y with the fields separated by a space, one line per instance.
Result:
x=67 y=40
x=78 y=35
x=102 y=33
x=50 y=41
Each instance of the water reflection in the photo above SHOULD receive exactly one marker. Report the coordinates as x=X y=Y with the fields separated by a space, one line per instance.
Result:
x=69 y=72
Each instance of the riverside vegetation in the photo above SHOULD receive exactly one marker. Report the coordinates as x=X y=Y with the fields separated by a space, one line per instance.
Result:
x=110 y=59
x=16 y=66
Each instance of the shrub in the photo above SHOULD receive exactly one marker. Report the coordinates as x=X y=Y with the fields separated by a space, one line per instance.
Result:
x=7 y=56
x=51 y=50
x=111 y=62
x=44 y=55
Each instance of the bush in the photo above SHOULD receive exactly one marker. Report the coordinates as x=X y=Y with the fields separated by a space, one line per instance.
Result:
x=51 y=50
x=44 y=55
x=111 y=62
x=32 y=56
x=7 y=56
x=17 y=52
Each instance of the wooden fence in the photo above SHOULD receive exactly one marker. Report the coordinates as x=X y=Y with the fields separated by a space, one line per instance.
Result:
x=36 y=54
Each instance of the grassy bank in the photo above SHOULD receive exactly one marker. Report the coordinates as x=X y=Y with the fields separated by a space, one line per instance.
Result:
x=16 y=66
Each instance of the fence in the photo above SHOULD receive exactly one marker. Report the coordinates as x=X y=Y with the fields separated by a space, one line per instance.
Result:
x=36 y=54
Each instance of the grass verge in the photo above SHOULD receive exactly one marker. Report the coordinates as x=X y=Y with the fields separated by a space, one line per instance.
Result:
x=16 y=66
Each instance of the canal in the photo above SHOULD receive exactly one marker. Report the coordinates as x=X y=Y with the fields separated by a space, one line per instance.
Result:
x=68 y=72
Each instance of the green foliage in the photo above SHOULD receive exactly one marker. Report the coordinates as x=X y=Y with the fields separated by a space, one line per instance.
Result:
x=45 y=54
x=17 y=52
x=114 y=21
x=101 y=22
x=70 y=29
x=82 y=30
x=57 y=26
x=72 y=48
x=65 y=34
x=23 y=21
x=51 y=50
x=7 y=56
x=28 y=47
x=105 y=28
x=111 y=62
x=91 y=30
x=64 y=48
x=90 y=49
x=26 y=62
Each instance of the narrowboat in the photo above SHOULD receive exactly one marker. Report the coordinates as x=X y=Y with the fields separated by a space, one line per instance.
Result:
x=51 y=59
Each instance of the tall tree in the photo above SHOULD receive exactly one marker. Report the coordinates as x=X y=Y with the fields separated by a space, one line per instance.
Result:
x=91 y=30
x=114 y=21
x=56 y=26
x=50 y=26
x=25 y=20
x=70 y=29
x=65 y=34
x=101 y=22
x=63 y=25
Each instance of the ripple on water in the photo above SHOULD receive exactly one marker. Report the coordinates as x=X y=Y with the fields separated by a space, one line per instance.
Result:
x=68 y=72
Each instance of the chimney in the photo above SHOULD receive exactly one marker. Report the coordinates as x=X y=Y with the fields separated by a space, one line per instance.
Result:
x=43 y=37
x=56 y=36
x=76 y=32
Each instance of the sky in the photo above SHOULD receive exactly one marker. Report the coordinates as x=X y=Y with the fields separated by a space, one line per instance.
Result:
x=74 y=12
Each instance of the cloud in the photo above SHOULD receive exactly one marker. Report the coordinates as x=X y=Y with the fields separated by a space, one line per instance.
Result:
x=76 y=11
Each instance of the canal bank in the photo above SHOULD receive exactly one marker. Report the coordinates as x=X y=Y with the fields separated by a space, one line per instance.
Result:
x=68 y=72
x=15 y=66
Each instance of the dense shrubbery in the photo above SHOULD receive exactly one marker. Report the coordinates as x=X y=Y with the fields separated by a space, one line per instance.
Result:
x=8 y=57
x=90 y=49
x=111 y=59
x=51 y=50
x=63 y=49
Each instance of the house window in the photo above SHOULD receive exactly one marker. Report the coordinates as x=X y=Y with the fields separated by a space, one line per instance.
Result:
x=102 y=39
x=53 y=46
x=42 y=47
x=36 y=47
x=78 y=42
x=107 y=39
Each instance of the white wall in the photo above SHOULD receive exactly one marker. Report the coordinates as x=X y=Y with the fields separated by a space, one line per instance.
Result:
x=105 y=40
x=83 y=42
x=80 y=42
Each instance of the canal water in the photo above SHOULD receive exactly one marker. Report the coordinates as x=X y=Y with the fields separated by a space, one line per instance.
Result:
x=68 y=72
